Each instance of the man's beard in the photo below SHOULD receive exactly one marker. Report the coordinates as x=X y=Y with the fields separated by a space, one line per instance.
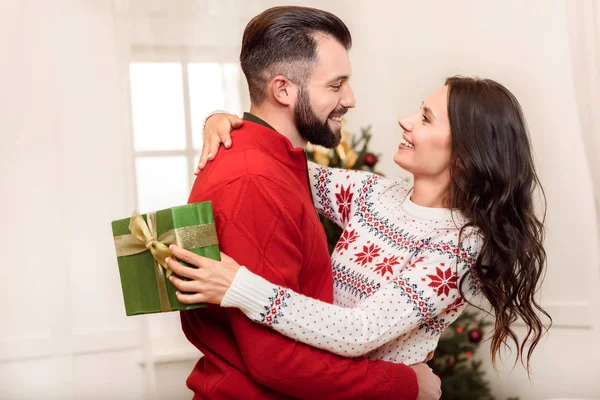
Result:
x=309 y=125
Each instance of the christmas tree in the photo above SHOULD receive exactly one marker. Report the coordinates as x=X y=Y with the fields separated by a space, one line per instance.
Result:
x=462 y=377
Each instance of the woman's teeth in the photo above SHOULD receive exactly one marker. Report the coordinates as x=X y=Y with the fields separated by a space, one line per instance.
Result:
x=336 y=119
x=405 y=143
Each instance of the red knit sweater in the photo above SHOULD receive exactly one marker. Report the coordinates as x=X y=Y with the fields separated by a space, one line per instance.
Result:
x=266 y=220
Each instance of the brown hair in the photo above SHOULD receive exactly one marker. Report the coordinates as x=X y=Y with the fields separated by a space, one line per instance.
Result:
x=494 y=185
x=283 y=41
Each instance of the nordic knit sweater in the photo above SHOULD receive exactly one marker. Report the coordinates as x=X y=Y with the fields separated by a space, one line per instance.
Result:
x=396 y=269
x=265 y=218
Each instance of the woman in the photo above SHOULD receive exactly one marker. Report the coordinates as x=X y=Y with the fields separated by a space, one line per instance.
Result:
x=410 y=259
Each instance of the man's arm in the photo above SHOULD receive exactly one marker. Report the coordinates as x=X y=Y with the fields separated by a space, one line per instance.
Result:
x=258 y=225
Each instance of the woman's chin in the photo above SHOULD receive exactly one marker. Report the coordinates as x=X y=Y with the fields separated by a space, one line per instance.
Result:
x=401 y=161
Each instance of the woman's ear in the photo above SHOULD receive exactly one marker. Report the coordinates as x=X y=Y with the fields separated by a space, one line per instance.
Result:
x=459 y=167
x=283 y=90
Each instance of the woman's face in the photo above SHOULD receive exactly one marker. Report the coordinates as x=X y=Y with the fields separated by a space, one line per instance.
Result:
x=426 y=145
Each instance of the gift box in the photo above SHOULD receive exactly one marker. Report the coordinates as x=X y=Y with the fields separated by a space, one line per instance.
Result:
x=142 y=244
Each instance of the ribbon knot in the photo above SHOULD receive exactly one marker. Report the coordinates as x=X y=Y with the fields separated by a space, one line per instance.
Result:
x=151 y=244
x=146 y=234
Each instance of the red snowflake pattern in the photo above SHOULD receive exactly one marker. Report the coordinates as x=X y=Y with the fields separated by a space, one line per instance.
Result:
x=387 y=265
x=344 y=200
x=348 y=237
x=458 y=303
x=443 y=281
x=367 y=255
x=412 y=264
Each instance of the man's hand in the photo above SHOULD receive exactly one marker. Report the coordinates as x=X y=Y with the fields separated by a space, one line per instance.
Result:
x=430 y=385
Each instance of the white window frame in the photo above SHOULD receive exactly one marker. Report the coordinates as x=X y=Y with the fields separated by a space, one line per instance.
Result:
x=173 y=349
x=184 y=56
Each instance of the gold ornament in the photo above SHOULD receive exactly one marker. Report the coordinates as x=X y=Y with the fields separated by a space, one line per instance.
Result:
x=345 y=151
x=320 y=154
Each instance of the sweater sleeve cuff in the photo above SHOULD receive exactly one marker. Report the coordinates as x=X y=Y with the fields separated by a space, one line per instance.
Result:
x=250 y=293
x=210 y=115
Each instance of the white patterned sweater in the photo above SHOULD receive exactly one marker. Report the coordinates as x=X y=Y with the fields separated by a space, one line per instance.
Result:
x=396 y=270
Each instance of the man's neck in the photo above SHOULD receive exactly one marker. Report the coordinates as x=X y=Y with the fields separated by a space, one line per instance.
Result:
x=281 y=122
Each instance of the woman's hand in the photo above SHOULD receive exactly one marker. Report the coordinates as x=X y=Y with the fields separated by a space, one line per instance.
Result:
x=216 y=131
x=208 y=282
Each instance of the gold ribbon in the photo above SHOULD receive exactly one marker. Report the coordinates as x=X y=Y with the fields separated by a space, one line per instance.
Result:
x=144 y=237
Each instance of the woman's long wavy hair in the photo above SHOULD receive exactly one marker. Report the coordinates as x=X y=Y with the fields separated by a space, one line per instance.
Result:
x=493 y=183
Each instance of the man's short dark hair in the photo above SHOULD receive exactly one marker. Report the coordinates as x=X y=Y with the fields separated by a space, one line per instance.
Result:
x=283 y=41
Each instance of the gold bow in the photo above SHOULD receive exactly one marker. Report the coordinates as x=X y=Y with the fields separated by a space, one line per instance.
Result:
x=144 y=237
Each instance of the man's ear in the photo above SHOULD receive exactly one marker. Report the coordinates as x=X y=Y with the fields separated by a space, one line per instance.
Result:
x=283 y=90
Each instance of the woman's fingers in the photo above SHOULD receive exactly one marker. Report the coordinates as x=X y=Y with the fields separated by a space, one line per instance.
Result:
x=200 y=290
x=193 y=298
x=192 y=291
x=210 y=134
x=235 y=122
x=180 y=269
x=207 y=283
x=217 y=130
x=203 y=158
x=184 y=286
x=191 y=258
x=215 y=138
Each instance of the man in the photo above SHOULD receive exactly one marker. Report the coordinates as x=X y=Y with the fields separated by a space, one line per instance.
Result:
x=296 y=63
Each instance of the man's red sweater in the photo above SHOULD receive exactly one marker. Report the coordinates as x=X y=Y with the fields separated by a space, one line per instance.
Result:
x=266 y=221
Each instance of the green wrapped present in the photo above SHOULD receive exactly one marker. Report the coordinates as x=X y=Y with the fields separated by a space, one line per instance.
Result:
x=142 y=244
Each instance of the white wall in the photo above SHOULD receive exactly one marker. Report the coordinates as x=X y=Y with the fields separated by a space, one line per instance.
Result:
x=67 y=171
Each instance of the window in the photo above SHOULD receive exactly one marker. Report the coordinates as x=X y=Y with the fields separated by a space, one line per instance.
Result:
x=169 y=101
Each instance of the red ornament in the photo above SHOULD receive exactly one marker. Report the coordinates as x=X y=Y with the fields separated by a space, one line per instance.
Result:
x=475 y=336
x=468 y=354
x=460 y=329
x=370 y=160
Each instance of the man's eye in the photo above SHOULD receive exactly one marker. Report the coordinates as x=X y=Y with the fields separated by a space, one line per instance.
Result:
x=336 y=87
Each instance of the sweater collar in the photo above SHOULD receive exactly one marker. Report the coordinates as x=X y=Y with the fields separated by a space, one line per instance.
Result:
x=251 y=117
x=429 y=213
x=275 y=144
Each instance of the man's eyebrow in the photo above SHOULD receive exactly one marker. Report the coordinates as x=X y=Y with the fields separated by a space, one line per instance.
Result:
x=338 y=78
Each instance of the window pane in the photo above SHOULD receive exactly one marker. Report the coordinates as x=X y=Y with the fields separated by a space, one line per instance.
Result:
x=206 y=95
x=162 y=182
x=212 y=86
x=232 y=88
x=157 y=106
